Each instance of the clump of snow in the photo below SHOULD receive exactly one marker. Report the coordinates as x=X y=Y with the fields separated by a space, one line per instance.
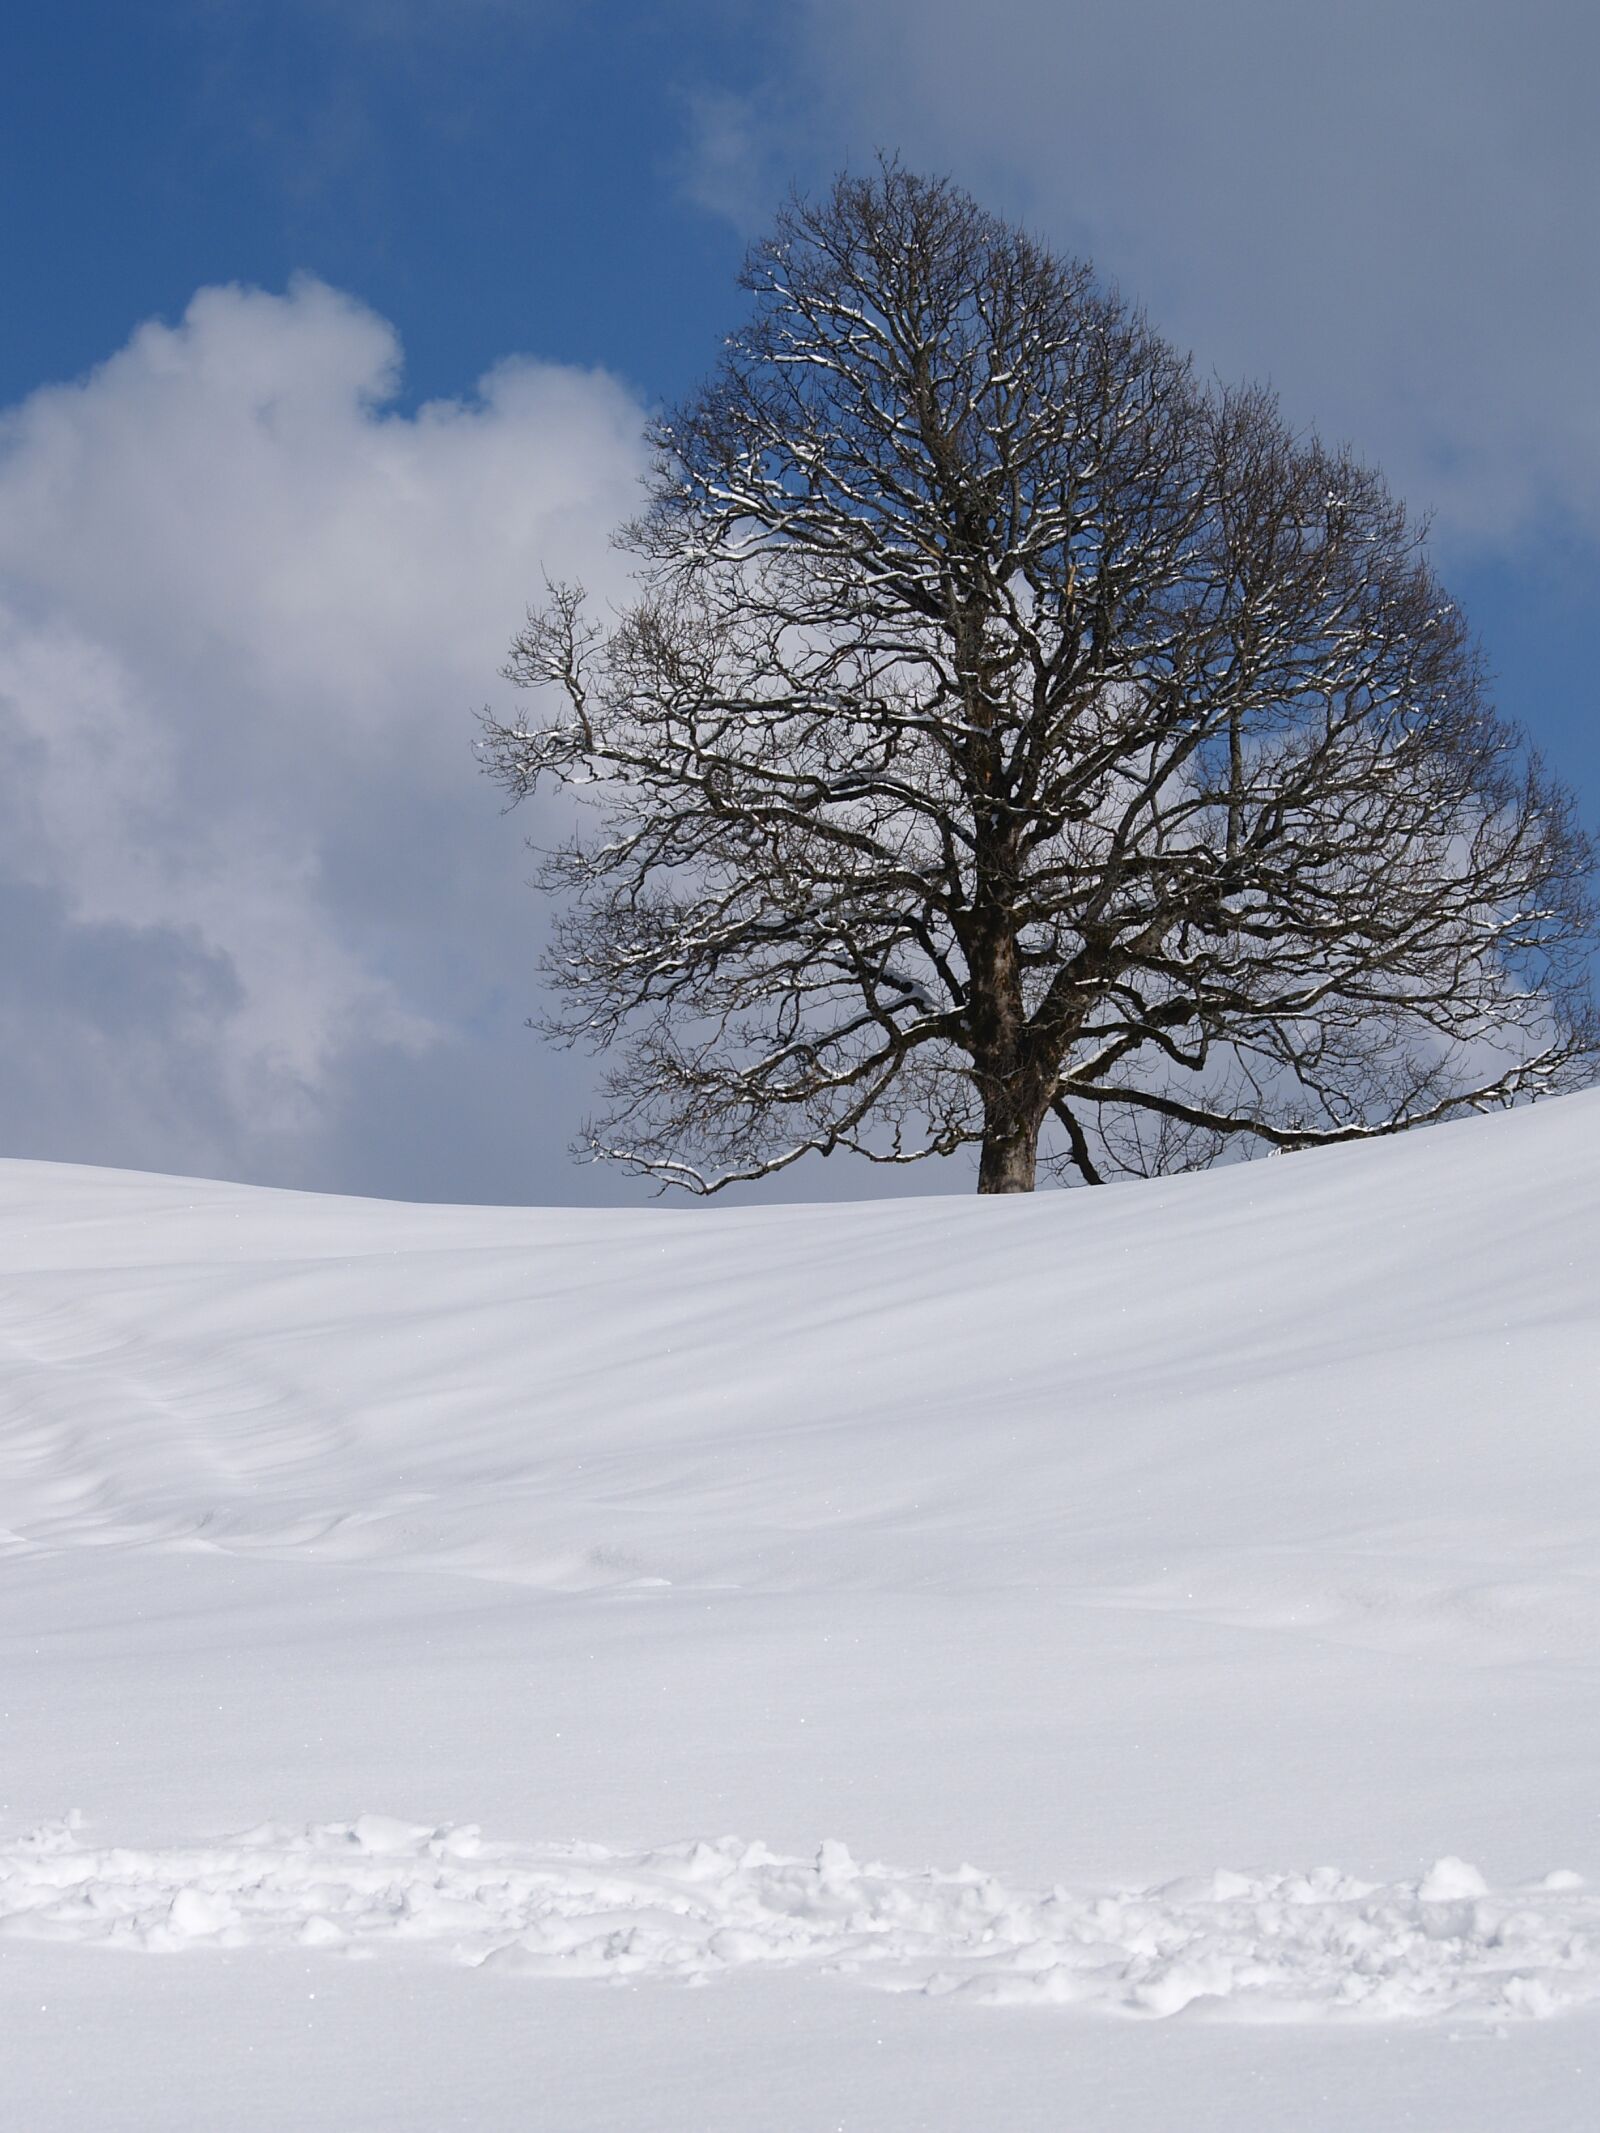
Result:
x=1450 y=1878
x=1311 y=1947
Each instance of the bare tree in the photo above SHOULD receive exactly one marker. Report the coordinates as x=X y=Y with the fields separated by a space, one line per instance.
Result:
x=1015 y=740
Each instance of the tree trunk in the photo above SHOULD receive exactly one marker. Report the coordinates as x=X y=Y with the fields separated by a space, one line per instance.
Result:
x=1010 y=1158
x=1014 y=1092
x=1014 y=1108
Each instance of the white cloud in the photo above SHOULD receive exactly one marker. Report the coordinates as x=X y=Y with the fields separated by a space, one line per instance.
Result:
x=246 y=608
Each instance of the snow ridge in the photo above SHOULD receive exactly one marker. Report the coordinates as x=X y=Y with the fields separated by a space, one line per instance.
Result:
x=1243 y=1946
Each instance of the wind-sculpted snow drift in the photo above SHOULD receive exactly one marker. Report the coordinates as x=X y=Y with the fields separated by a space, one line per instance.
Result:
x=1097 y=1538
x=1265 y=1947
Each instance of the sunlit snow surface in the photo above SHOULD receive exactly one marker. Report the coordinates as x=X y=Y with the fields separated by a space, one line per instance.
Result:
x=1146 y=1549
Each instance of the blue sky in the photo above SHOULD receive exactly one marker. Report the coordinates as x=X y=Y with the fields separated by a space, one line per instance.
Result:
x=331 y=322
x=492 y=176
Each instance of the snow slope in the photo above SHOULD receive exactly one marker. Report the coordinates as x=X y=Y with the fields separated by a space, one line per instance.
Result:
x=1179 y=1601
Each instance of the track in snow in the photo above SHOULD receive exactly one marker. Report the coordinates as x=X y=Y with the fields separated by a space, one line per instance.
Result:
x=1262 y=1947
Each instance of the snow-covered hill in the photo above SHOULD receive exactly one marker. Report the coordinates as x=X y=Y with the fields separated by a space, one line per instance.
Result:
x=1182 y=1600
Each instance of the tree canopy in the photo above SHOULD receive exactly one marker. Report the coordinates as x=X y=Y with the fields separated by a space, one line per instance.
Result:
x=1018 y=743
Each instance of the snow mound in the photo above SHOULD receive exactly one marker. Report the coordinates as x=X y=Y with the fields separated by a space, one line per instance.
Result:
x=1347 y=1397
x=1246 y=1946
x=1100 y=1537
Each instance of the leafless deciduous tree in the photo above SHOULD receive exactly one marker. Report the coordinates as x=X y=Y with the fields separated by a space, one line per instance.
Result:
x=1017 y=743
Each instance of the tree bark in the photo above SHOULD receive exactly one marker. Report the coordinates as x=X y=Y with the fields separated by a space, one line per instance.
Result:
x=1010 y=1158
x=1015 y=1063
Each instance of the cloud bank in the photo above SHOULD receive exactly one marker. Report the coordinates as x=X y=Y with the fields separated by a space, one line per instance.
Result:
x=1387 y=207
x=263 y=917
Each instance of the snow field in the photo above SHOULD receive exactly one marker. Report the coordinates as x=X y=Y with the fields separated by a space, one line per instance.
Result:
x=1096 y=1539
x=1263 y=1947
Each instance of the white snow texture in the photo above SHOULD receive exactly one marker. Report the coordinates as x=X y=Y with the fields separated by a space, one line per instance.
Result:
x=1148 y=1548
x=1267 y=1947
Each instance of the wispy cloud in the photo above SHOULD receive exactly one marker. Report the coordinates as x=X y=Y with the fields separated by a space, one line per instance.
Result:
x=735 y=162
